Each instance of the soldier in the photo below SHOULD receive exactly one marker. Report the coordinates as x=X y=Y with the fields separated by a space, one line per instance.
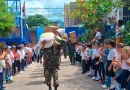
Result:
x=52 y=61
x=71 y=52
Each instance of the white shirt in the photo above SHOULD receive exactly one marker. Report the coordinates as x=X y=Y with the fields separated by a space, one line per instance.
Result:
x=77 y=49
x=112 y=54
x=19 y=52
x=118 y=33
x=96 y=52
x=12 y=56
x=118 y=56
x=124 y=65
x=22 y=54
x=93 y=50
x=98 y=35
x=82 y=55
x=9 y=60
x=26 y=49
x=2 y=63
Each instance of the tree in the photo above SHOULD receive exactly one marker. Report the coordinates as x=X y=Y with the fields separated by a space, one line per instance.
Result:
x=91 y=13
x=6 y=20
x=37 y=20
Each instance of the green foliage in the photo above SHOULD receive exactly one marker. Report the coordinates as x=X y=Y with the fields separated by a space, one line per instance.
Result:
x=37 y=20
x=126 y=34
x=6 y=20
x=91 y=13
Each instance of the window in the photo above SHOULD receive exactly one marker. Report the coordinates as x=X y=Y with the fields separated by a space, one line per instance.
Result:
x=126 y=14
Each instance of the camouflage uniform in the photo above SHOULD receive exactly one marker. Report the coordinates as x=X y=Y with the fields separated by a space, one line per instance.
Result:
x=51 y=64
x=71 y=52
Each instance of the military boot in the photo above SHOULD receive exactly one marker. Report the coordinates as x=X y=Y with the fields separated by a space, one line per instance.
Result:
x=50 y=88
x=55 y=88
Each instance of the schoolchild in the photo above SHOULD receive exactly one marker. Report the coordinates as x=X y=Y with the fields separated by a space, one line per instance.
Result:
x=101 y=66
x=125 y=65
x=2 y=67
x=96 y=59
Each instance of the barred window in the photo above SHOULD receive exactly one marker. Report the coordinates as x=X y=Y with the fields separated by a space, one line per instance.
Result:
x=126 y=14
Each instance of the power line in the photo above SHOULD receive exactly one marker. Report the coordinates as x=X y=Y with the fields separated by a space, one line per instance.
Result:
x=44 y=8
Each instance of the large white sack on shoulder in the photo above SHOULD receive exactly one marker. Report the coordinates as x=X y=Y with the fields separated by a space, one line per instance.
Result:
x=47 y=36
x=47 y=45
x=61 y=31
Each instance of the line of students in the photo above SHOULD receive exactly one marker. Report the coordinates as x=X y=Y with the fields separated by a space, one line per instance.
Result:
x=109 y=64
x=14 y=59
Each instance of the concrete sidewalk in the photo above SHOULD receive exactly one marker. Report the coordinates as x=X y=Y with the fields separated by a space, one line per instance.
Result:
x=70 y=78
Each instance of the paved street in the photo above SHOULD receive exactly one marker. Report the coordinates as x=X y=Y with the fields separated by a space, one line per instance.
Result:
x=70 y=79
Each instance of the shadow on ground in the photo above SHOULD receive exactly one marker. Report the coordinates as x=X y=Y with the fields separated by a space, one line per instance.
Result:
x=35 y=83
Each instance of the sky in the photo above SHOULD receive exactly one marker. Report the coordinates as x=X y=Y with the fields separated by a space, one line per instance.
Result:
x=31 y=6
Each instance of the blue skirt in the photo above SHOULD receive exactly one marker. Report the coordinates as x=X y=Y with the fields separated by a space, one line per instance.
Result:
x=122 y=78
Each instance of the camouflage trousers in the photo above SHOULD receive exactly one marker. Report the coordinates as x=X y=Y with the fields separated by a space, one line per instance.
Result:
x=49 y=77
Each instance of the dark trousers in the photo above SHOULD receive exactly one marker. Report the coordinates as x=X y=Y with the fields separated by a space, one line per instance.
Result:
x=33 y=58
x=23 y=64
x=96 y=66
x=1 y=80
x=128 y=86
x=19 y=65
x=102 y=72
x=38 y=58
x=72 y=59
x=84 y=66
x=77 y=56
x=14 y=67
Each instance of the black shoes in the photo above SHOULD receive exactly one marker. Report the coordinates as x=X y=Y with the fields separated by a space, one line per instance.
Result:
x=50 y=88
x=55 y=88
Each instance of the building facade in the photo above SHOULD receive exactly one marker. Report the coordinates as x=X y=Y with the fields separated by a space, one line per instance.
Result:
x=68 y=21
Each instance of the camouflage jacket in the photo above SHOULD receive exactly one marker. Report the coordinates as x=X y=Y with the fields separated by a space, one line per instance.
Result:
x=71 y=48
x=52 y=58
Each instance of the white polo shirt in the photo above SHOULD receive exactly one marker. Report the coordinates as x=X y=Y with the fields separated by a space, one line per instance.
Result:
x=2 y=63
x=98 y=34
x=23 y=54
x=112 y=54
x=124 y=65
x=96 y=52
x=19 y=52
x=12 y=56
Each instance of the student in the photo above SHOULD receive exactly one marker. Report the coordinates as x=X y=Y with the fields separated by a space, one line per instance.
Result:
x=15 y=60
x=23 y=56
x=77 y=52
x=117 y=69
x=96 y=59
x=11 y=54
x=101 y=66
x=89 y=60
x=106 y=52
x=92 y=59
x=8 y=65
x=109 y=68
x=83 y=55
x=19 y=58
x=2 y=67
x=125 y=65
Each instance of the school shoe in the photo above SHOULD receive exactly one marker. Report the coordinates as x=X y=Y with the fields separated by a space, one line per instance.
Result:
x=21 y=72
x=104 y=86
x=93 y=78
x=11 y=78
